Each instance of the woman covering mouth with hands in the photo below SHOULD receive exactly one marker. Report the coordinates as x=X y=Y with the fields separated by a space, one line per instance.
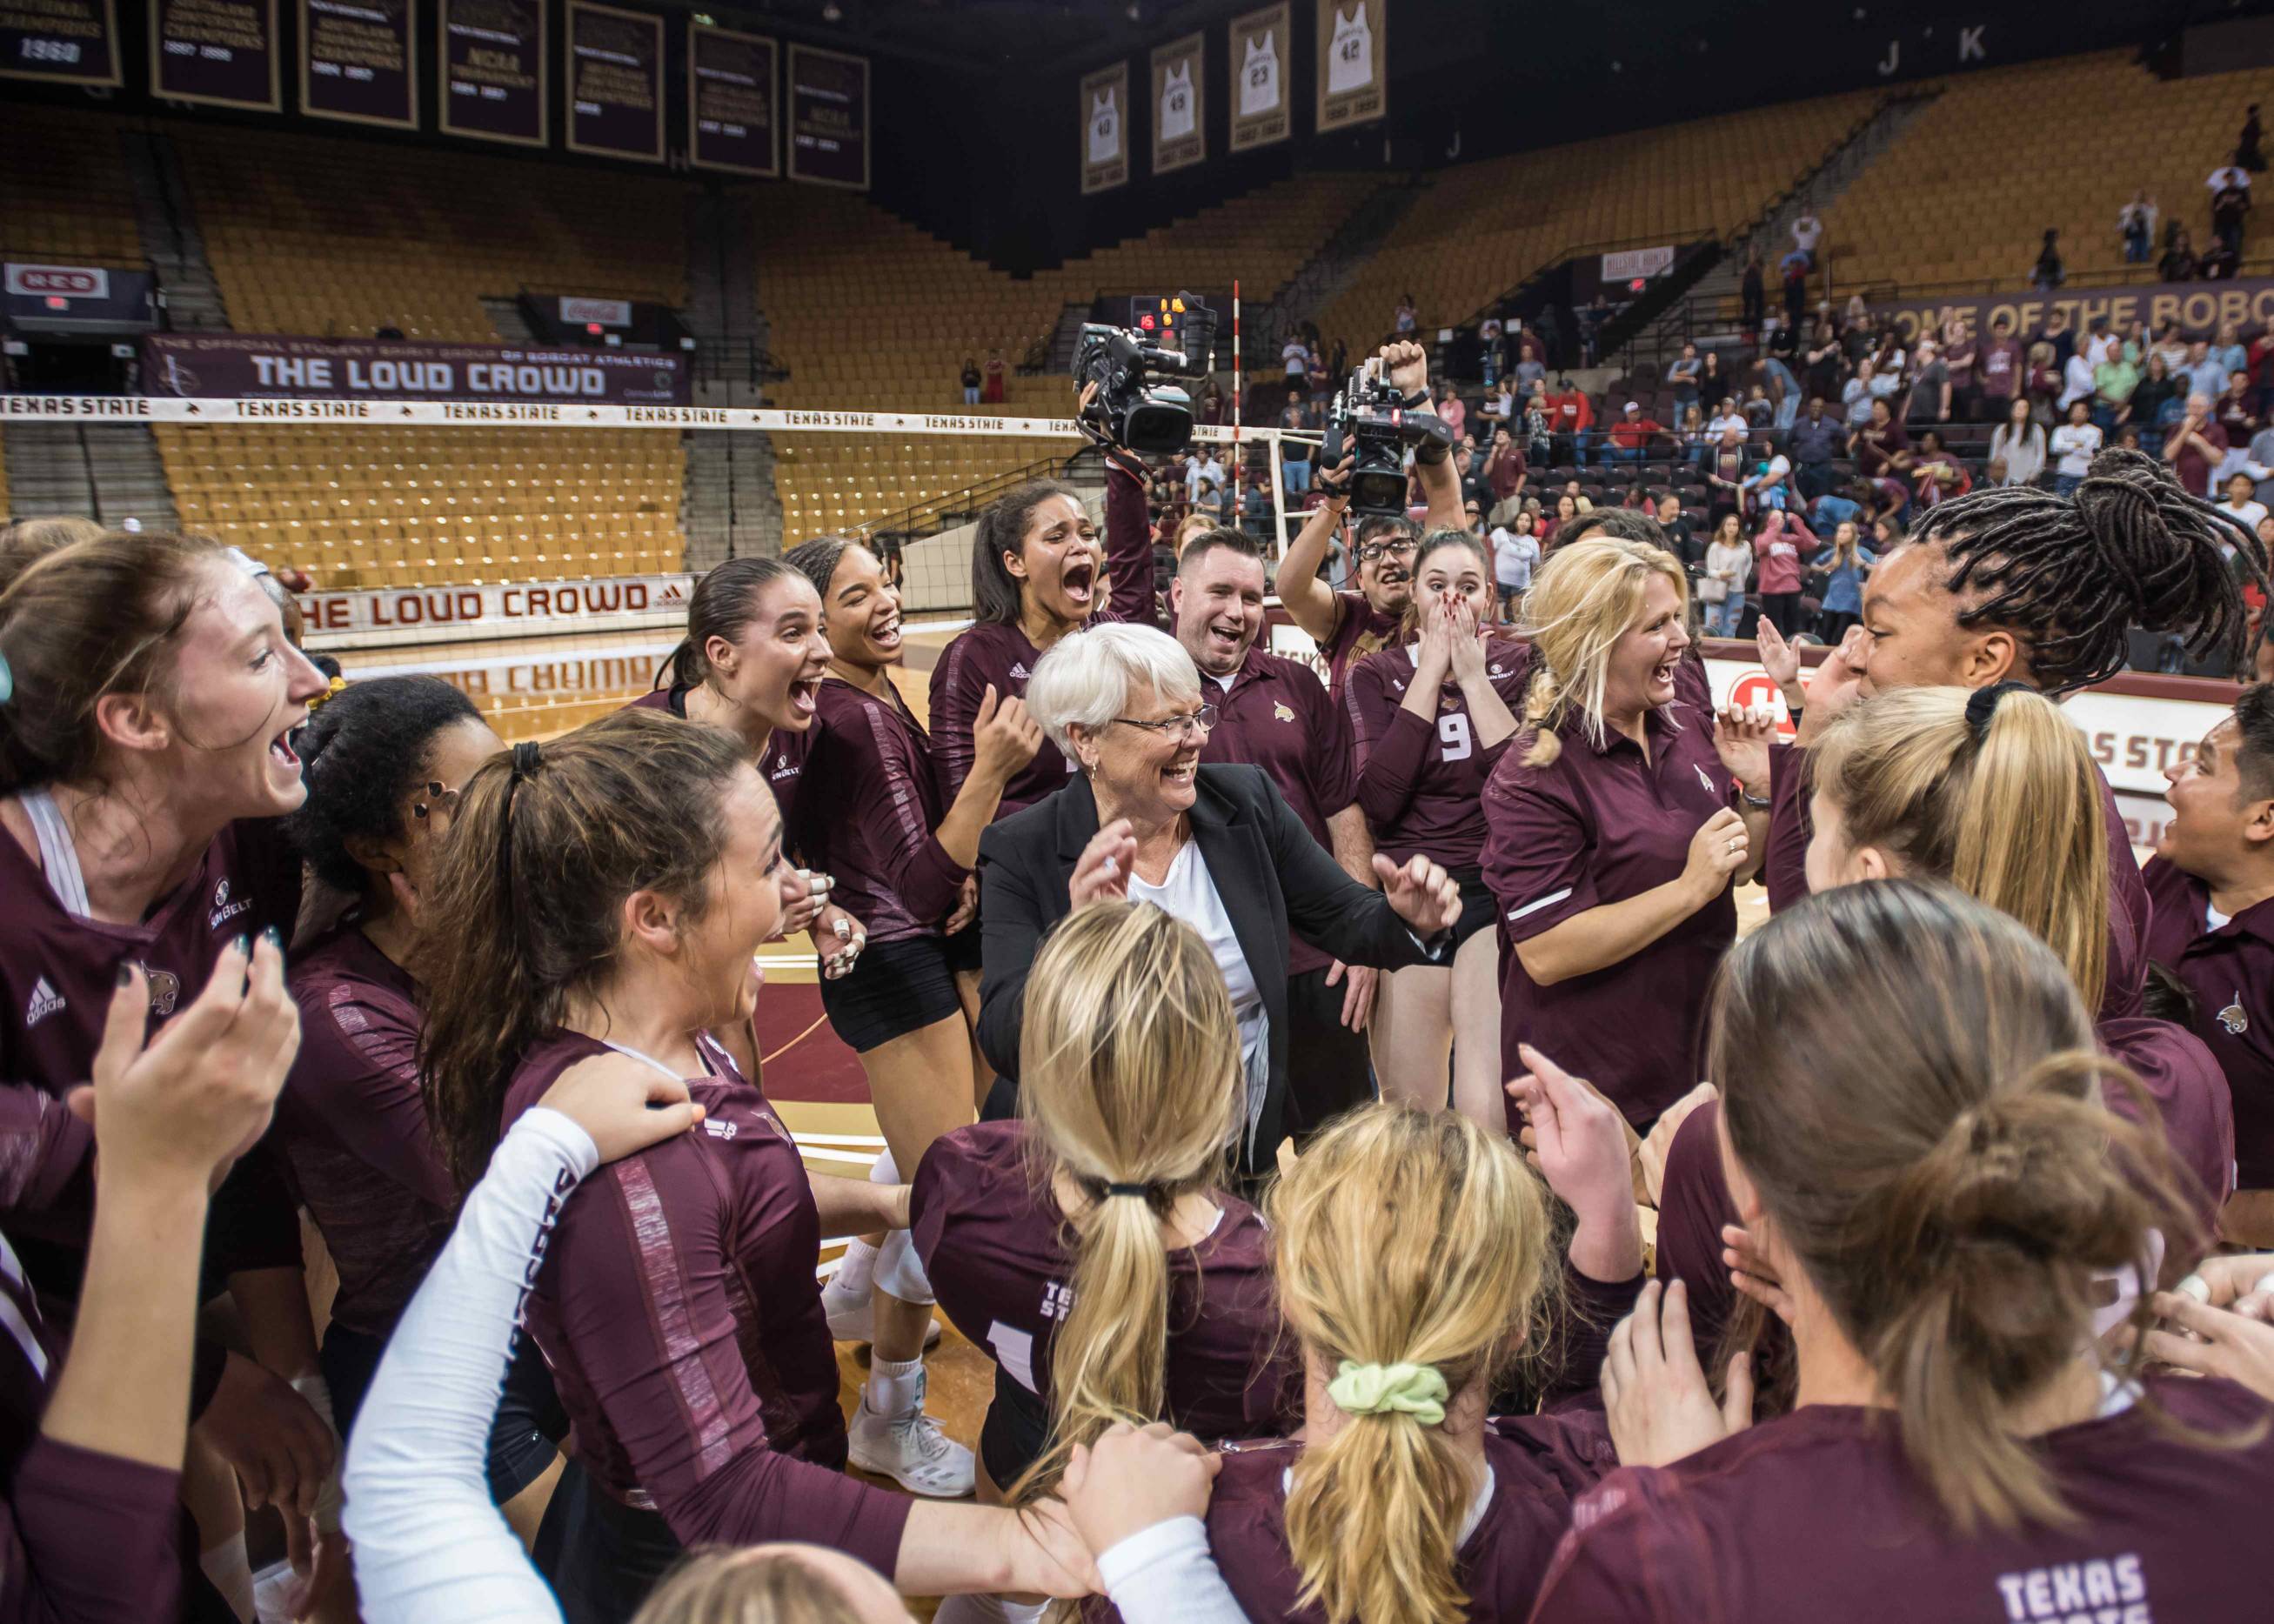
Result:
x=1617 y=825
x=1215 y=846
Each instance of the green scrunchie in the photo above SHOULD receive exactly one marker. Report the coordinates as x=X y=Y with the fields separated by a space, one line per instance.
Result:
x=1415 y=1390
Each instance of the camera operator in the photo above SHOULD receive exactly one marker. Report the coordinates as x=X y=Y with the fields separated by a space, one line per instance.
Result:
x=1349 y=626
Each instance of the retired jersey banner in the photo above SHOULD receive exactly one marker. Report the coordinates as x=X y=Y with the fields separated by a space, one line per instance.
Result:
x=203 y=364
x=828 y=118
x=615 y=82
x=493 y=73
x=63 y=41
x=219 y=52
x=1105 y=97
x=2201 y=308
x=359 y=61
x=730 y=100
x=1180 y=129
x=1261 y=59
x=1354 y=66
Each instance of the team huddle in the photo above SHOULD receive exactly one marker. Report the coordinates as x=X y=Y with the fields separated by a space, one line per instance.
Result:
x=1343 y=1111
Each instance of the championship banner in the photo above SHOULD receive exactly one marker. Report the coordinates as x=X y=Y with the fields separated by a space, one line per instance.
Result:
x=492 y=70
x=60 y=41
x=507 y=607
x=1179 y=128
x=1353 y=62
x=1261 y=56
x=360 y=62
x=1105 y=97
x=828 y=118
x=217 y=51
x=730 y=100
x=194 y=366
x=2201 y=308
x=614 y=63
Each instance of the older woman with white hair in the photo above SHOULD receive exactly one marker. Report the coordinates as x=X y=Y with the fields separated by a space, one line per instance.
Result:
x=1215 y=846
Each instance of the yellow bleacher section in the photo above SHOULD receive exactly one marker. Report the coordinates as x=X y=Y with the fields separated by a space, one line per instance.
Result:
x=1484 y=228
x=1968 y=189
x=373 y=506
x=868 y=314
x=335 y=237
x=65 y=197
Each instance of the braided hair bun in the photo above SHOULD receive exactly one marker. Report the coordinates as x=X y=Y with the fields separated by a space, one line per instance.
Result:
x=2074 y=575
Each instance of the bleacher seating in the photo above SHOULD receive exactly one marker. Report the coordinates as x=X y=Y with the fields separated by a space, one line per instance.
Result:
x=339 y=237
x=64 y=196
x=1966 y=193
x=1482 y=228
x=367 y=506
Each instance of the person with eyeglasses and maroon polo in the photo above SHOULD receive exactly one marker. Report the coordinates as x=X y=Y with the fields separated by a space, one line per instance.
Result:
x=1216 y=844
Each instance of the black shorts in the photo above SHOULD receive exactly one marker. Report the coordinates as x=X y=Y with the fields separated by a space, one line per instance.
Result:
x=1016 y=1431
x=523 y=1433
x=896 y=988
x=1477 y=906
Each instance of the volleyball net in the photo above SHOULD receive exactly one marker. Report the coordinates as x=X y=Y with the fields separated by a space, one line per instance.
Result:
x=540 y=555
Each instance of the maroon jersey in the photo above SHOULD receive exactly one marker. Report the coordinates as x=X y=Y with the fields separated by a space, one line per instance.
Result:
x=1361 y=629
x=982 y=655
x=354 y=1132
x=1422 y=782
x=1276 y=714
x=1832 y=1522
x=868 y=811
x=58 y=973
x=782 y=762
x=993 y=1242
x=678 y=1309
x=2129 y=913
x=2230 y=973
x=1599 y=825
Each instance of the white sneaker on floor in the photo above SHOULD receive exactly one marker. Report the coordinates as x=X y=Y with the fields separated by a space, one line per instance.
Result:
x=851 y=1315
x=912 y=1451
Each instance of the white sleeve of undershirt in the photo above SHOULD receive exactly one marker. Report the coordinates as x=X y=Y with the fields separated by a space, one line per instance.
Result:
x=429 y=1547
x=1165 y=1574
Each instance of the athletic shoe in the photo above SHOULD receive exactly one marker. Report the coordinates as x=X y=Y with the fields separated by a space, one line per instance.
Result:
x=851 y=1315
x=912 y=1451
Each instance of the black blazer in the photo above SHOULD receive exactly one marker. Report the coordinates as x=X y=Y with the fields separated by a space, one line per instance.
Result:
x=1266 y=867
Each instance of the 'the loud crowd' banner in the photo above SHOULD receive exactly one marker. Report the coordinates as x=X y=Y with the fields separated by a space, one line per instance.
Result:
x=730 y=100
x=1260 y=60
x=493 y=73
x=614 y=63
x=1179 y=122
x=1105 y=128
x=2201 y=308
x=359 y=61
x=61 y=41
x=219 y=52
x=204 y=364
x=1353 y=62
x=513 y=608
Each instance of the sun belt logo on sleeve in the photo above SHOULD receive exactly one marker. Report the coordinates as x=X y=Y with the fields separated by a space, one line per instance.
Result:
x=2234 y=1017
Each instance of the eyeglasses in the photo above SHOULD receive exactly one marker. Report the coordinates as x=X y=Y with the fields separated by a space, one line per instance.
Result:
x=438 y=800
x=1374 y=549
x=1179 y=727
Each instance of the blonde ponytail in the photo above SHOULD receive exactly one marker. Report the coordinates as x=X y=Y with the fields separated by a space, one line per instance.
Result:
x=1412 y=1254
x=1582 y=600
x=1133 y=1082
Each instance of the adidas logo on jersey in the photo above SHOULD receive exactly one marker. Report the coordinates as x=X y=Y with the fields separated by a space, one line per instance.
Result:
x=45 y=1002
x=1018 y=670
x=719 y=1130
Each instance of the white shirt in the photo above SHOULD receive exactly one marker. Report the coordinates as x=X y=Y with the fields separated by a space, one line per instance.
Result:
x=1805 y=230
x=2075 y=445
x=2076 y=379
x=1736 y=420
x=1513 y=557
x=2246 y=515
x=1296 y=354
x=2230 y=175
x=1189 y=893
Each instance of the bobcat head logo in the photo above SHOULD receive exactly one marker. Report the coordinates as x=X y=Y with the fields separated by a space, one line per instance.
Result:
x=1280 y=710
x=2234 y=1018
x=165 y=990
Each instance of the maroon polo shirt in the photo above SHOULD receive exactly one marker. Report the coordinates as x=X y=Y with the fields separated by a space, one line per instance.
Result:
x=1361 y=629
x=1275 y=713
x=868 y=812
x=1599 y=825
x=1834 y=1522
x=2230 y=973
x=1877 y=447
x=1422 y=782
x=354 y=1131
x=782 y=761
x=2129 y=911
x=994 y=1244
